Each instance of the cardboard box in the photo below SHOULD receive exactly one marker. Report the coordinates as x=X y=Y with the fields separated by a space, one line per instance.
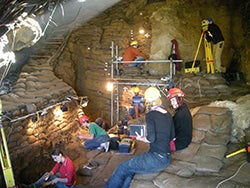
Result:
x=188 y=67
x=140 y=129
x=194 y=70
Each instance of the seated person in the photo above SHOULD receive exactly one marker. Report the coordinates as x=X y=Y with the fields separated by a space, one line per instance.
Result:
x=182 y=118
x=62 y=174
x=98 y=138
x=133 y=55
x=138 y=104
x=159 y=128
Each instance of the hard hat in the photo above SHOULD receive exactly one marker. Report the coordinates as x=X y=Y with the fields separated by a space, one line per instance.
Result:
x=152 y=94
x=83 y=118
x=210 y=19
x=136 y=89
x=175 y=92
x=133 y=43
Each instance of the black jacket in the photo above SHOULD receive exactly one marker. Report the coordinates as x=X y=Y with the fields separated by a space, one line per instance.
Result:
x=160 y=130
x=216 y=33
x=183 y=125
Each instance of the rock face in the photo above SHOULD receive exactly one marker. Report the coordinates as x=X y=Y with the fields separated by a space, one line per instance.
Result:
x=201 y=164
x=89 y=53
x=31 y=111
x=33 y=120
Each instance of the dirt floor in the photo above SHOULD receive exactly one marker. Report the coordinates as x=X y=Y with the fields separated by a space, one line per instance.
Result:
x=107 y=162
x=104 y=163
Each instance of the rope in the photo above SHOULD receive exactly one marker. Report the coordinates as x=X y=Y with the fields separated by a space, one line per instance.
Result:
x=232 y=175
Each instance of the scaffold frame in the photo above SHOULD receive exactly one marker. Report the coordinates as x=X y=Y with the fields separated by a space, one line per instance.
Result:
x=114 y=94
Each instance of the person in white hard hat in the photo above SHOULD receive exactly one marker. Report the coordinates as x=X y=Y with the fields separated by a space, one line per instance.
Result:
x=160 y=130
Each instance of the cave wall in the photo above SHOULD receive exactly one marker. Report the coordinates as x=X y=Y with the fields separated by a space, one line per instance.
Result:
x=32 y=119
x=89 y=49
x=35 y=140
x=82 y=66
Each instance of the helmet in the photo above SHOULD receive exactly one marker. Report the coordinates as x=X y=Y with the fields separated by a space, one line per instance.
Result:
x=175 y=96
x=83 y=118
x=175 y=92
x=210 y=19
x=133 y=43
x=152 y=94
x=136 y=89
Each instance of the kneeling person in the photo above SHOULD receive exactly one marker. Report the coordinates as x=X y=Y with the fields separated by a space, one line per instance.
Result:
x=98 y=137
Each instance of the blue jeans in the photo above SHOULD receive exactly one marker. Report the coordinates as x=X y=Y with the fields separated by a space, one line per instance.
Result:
x=131 y=111
x=135 y=63
x=39 y=182
x=141 y=164
x=95 y=142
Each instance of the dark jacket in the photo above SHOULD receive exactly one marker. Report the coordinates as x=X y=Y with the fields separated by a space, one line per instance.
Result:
x=183 y=125
x=160 y=130
x=216 y=33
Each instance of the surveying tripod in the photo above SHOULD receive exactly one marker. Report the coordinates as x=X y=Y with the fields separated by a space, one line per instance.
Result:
x=5 y=157
x=208 y=49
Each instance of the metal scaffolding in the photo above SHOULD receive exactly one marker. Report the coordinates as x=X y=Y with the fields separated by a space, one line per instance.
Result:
x=116 y=61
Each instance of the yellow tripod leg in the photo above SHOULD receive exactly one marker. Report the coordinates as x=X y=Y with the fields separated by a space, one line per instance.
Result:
x=197 y=51
x=209 y=56
x=5 y=158
x=212 y=67
x=206 y=55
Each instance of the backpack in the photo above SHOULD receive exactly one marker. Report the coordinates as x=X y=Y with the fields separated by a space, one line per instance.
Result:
x=114 y=143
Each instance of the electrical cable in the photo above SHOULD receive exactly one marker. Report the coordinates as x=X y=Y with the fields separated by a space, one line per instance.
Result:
x=50 y=18
x=232 y=175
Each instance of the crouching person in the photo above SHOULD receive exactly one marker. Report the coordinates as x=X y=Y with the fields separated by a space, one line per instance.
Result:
x=160 y=130
x=98 y=138
x=62 y=175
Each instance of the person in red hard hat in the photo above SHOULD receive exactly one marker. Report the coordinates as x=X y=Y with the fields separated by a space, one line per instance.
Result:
x=182 y=118
x=98 y=138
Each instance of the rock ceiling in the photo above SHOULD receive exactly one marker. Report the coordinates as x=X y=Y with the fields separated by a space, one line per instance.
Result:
x=24 y=22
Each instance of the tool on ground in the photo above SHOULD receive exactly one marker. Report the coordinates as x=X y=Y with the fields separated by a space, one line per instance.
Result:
x=5 y=157
x=208 y=49
x=246 y=149
x=91 y=165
